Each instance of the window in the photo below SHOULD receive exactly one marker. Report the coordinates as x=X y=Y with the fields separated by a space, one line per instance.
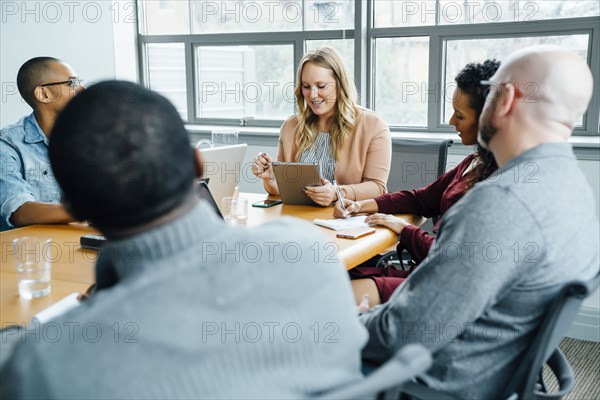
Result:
x=232 y=62
x=344 y=46
x=401 y=75
x=459 y=52
x=402 y=13
x=165 y=17
x=245 y=16
x=234 y=81
x=166 y=73
x=412 y=84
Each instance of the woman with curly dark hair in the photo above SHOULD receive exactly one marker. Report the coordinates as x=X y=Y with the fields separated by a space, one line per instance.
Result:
x=433 y=200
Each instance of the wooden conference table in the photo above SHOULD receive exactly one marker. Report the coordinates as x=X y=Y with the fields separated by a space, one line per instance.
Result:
x=73 y=267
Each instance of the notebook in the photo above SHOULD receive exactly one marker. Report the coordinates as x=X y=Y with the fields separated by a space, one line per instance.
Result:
x=222 y=167
x=57 y=309
x=339 y=224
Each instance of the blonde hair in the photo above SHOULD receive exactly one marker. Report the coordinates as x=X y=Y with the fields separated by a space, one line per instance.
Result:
x=345 y=119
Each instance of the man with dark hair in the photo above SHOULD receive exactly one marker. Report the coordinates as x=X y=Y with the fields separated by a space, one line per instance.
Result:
x=186 y=306
x=505 y=249
x=29 y=193
x=126 y=167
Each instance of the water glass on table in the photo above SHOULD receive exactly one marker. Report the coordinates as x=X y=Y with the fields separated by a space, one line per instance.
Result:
x=220 y=137
x=235 y=210
x=33 y=261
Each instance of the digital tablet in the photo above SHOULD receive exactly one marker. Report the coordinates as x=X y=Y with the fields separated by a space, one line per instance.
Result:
x=292 y=178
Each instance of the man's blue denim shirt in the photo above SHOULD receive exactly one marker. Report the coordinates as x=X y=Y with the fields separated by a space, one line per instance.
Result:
x=25 y=173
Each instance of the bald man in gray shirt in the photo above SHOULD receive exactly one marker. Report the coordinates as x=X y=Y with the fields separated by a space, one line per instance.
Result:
x=505 y=250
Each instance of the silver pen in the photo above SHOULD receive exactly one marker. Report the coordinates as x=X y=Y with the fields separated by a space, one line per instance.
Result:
x=339 y=194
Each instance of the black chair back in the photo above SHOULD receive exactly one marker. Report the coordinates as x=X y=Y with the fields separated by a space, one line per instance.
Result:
x=386 y=381
x=526 y=383
x=557 y=321
x=417 y=163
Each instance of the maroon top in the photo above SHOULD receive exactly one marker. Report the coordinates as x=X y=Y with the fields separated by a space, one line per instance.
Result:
x=431 y=201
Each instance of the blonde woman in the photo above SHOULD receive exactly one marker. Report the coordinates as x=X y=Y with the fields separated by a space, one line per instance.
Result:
x=351 y=144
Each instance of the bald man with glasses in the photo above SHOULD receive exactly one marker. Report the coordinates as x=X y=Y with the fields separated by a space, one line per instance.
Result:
x=29 y=193
x=504 y=250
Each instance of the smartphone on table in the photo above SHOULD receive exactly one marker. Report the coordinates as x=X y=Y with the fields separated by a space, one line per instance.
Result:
x=92 y=242
x=355 y=233
x=266 y=203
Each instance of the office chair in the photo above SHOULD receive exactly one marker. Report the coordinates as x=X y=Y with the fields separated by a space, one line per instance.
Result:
x=385 y=381
x=415 y=164
x=527 y=382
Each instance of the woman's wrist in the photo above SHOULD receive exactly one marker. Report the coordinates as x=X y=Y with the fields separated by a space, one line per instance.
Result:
x=404 y=225
x=368 y=206
x=343 y=191
x=399 y=234
x=360 y=205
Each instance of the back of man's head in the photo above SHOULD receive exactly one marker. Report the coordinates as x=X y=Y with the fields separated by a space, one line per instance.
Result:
x=31 y=75
x=122 y=156
x=556 y=83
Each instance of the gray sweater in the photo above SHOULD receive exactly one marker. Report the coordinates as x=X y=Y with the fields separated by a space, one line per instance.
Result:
x=197 y=309
x=501 y=254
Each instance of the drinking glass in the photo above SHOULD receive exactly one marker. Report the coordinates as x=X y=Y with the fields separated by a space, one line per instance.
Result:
x=34 y=266
x=225 y=137
x=235 y=210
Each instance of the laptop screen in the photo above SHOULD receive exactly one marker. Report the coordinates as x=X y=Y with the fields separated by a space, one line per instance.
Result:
x=203 y=192
x=222 y=165
x=95 y=242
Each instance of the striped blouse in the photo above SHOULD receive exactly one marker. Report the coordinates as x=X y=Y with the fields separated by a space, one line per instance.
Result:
x=321 y=152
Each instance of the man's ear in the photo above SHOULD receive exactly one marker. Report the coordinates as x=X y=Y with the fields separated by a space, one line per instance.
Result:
x=507 y=100
x=43 y=94
x=199 y=163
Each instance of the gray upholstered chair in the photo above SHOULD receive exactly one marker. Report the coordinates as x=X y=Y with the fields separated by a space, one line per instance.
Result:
x=527 y=382
x=385 y=381
x=415 y=164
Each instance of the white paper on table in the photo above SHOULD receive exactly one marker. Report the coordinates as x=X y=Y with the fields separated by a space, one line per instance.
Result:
x=343 y=223
x=56 y=309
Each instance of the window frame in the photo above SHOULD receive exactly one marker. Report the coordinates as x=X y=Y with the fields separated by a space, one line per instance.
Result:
x=364 y=35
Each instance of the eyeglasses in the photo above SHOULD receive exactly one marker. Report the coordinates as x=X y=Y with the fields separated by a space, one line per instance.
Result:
x=490 y=83
x=73 y=83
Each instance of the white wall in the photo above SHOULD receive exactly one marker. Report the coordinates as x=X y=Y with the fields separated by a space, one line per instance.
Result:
x=81 y=33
